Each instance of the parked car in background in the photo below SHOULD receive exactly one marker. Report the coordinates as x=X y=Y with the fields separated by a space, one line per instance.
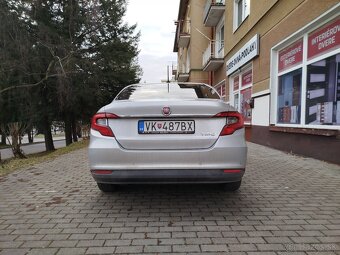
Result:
x=167 y=133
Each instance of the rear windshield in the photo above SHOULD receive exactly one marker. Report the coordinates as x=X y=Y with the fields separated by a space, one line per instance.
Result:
x=167 y=91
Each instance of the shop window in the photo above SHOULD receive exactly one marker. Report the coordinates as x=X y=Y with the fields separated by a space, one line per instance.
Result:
x=242 y=93
x=289 y=97
x=245 y=97
x=308 y=79
x=323 y=92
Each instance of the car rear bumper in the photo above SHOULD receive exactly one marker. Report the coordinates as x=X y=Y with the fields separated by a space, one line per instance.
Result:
x=168 y=176
x=168 y=166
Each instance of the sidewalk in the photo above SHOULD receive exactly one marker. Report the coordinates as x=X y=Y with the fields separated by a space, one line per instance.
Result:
x=287 y=205
x=37 y=146
x=24 y=140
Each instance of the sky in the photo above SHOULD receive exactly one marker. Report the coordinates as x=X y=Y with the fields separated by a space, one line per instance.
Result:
x=155 y=20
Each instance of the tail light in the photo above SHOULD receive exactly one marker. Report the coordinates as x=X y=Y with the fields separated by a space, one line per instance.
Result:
x=232 y=171
x=234 y=121
x=102 y=171
x=100 y=122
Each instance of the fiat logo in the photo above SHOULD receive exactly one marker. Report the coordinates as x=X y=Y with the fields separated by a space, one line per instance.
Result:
x=166 y=111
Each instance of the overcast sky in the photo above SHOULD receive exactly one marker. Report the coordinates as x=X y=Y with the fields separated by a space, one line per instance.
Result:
x=155 y=19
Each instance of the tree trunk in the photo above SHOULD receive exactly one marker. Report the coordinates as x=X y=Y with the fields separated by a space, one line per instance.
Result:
x=68 y=129
x=74 y=130
x=3 y=139
x=30 y=136
x=48 y=135
x=15 y=133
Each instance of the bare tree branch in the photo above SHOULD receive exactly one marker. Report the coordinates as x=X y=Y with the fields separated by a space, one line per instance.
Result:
x=47 y=75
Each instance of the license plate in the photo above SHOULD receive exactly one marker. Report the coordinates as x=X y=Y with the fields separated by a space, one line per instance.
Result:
x=166 y=127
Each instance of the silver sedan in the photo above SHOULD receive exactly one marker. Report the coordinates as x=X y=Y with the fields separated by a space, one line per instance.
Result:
x=167 y=133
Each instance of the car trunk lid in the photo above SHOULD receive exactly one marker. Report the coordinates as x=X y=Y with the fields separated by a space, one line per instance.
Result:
x=137 y=115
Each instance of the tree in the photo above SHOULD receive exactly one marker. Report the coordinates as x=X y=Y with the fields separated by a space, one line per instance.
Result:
x=74 y=56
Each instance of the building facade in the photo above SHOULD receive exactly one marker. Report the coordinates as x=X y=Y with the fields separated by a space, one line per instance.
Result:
x=199 y=42
x=281 y=70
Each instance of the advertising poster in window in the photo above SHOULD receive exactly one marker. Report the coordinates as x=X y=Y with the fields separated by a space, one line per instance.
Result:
x=236 y=83
x=236 y=105
x=289 y=97
x=223 y=90
x=324 y=39
x=323 y=92
x=291 y=56
x=245 y=97
x=247 y=78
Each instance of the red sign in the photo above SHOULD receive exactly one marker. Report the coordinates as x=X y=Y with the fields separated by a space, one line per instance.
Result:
x=247 y=78
x=236 y=83
x=291 y=56
x=324 y=39
x=223 y=90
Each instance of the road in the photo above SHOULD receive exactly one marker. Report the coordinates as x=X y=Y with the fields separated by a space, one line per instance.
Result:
x=286 y=205
x=32 y=148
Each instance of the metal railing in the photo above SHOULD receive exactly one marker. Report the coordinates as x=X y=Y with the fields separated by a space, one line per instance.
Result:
x=215 y=49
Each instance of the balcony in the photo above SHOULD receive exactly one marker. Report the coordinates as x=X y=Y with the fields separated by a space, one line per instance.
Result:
x=183 y=72
x=183 y=40
x=213 y=12
x=183 y=77
x=213 y=56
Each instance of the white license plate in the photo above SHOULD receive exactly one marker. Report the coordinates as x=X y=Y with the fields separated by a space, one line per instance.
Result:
x=166 y=127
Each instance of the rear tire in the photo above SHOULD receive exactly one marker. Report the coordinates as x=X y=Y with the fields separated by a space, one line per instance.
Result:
x=232 y=186
x=107 y=188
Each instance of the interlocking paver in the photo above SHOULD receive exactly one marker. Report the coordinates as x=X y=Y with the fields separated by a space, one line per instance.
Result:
x=214 y=248
x=286 y=205
x=63 y=243
x=14 y=251
x=186 y=248
x=101 y=250
x=157 y=249
x=129 y=249
x=44 y=251
x=90 y=243
x=71 y=251
x=36 y=244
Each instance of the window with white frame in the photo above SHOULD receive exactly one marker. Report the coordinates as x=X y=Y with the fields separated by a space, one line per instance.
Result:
x=241 y=12
x=308 y=79
x=220 y=38
x=240 y=98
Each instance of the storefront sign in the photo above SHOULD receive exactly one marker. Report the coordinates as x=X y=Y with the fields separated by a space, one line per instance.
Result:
x=291 y=56
x=324 y=39
x=236 y=83
x=249 y=51
x=247 y=78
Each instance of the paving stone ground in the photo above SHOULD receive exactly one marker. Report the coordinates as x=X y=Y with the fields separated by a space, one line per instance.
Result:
x=286 y=205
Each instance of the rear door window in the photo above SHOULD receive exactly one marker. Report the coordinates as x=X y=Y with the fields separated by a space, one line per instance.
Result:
x=167 y=91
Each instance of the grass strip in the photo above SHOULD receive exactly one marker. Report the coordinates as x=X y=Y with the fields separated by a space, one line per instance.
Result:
x=10 y=165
